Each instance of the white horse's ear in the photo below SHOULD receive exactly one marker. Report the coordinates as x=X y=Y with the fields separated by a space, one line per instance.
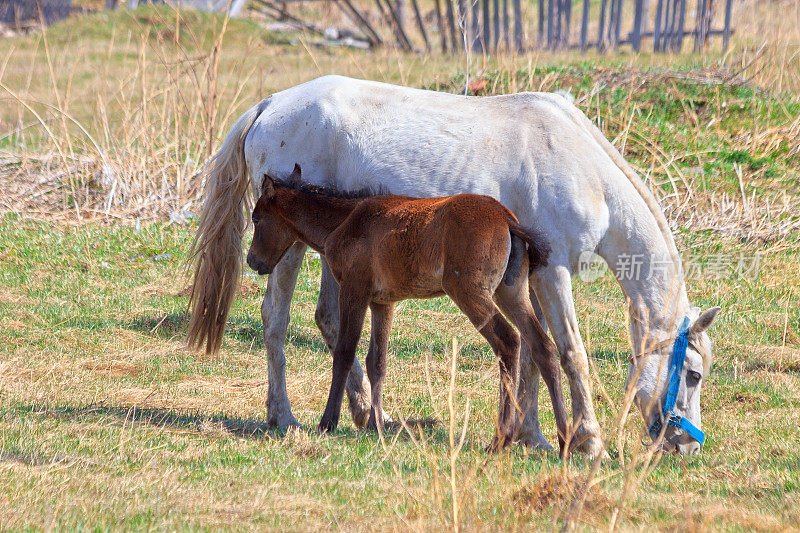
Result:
x=704 y=321
x=267 y=188
x=296 y=174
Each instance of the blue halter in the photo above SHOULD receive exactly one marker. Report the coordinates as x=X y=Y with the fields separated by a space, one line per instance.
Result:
x=675 y=372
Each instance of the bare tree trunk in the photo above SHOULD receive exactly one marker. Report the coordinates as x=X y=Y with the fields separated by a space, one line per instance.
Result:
x=559 y=29
x=451 y=25
x=402 y=38
x=601 y=35
x=360 y=21
x=400 y=12
x=657 y=26
x=421 y=24
x=477 y=39
x=440 y=23
x=487 y=27
x=726 y=31
x=462 y=19
x=496 y=24
x=585 y=26
x=517 y=25
x=506 y=44
x=540 y=16
x=681 y=22
x=638 y=20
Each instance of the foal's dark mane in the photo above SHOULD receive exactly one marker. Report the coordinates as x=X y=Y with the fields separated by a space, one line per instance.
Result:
x=327 y=192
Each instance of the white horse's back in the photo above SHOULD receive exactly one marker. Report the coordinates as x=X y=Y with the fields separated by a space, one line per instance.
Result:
x=526 y=150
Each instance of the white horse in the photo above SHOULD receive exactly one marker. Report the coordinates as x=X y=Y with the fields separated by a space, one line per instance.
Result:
x=536 y=153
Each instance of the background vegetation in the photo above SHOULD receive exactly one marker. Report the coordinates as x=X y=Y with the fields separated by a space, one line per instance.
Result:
x=106 y=421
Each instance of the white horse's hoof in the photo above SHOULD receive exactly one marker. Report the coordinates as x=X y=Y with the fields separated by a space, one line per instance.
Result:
x=589 y=445
x=535 y=442
x=359 y=411
x=281 y=418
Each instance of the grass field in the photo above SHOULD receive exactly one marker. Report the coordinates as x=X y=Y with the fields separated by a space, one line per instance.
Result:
x=108 y=422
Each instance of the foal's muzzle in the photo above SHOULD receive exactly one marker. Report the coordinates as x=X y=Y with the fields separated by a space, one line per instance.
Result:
x=258 y=265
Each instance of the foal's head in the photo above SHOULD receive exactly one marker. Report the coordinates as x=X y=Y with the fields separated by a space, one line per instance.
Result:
x=272 y=236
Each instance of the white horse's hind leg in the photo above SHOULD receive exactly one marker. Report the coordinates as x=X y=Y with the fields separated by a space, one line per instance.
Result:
x=553 y=287
x=275 y=316
x=529 y=433
x=327 y=318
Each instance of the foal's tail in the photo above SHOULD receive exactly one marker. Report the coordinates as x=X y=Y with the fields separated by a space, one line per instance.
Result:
x=538 y=245
x=217 y=248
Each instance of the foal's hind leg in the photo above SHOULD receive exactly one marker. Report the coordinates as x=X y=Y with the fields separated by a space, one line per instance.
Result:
x=504 y=340
x=516 y=304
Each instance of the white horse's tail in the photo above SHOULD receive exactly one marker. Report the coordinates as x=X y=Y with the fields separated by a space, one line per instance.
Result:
x=217 y=248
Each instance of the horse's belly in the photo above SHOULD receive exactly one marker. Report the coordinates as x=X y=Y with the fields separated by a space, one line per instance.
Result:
x=391 y=296
x=398 y=285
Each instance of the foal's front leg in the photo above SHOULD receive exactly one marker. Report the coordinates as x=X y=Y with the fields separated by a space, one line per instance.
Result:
x=382 y=315
x=352 y=308
x=327 y=319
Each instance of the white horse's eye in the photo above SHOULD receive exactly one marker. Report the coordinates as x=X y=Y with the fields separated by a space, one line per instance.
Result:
x=694 y=377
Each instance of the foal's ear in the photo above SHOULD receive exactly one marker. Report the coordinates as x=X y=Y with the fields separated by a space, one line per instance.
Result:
x=296 y=174
x=267 y=188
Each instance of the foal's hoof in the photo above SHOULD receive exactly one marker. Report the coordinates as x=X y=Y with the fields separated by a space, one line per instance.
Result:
x=326 y=426
x=364 y=419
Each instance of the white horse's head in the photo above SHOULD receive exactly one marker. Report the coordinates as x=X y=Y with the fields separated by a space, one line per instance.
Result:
x=651 y=371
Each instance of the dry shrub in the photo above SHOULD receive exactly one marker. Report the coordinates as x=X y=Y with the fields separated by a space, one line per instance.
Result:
x=113 y=368
x=752 y=399
x=560 y=489
x=14 y=298
x=131 y=142
x=303 y=444
x=767 y=44
x=776 y=359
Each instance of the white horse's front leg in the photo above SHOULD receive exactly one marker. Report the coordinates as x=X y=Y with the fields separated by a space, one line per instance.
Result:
x=529 y=432
x=553 y=287
x=327 y=318
x=275 y=317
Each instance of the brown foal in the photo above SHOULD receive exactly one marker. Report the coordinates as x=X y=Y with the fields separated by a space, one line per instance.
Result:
x=384 y=249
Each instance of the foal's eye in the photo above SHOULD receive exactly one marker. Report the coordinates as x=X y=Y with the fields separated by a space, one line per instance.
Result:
x=693 y=377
